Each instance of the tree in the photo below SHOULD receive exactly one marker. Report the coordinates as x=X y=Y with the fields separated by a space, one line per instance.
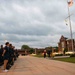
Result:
x=25 y=47
x=31 y=50
x=48 y=48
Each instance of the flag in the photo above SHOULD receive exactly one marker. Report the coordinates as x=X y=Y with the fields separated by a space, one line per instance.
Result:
x=70 y=3
x=66 y=22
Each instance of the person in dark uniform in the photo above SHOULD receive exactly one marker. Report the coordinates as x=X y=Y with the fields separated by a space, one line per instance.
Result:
x=1 y=49
x=45 y=53
x=6 y=55
x=14 y=53
x=48 y=52
x=1 y=52
x=11 y=54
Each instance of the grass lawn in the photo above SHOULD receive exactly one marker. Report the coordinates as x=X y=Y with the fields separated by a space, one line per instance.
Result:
x=70 y=59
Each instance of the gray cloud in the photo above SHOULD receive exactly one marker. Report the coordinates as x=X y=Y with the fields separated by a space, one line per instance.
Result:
x=37 y=23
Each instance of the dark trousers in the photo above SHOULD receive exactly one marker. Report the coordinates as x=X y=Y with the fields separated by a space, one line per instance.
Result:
x=44 y=55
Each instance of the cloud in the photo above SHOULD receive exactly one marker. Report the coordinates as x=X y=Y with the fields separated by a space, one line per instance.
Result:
x=37 y=23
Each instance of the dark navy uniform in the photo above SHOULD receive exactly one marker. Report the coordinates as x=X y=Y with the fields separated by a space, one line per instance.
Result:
x=7 y=54
x=1 y=52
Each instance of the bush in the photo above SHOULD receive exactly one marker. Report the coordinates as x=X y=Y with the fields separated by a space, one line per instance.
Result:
x=59 y=55
x=72 y=55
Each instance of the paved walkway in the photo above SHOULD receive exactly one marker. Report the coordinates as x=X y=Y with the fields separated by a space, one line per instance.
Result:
x=27 y=65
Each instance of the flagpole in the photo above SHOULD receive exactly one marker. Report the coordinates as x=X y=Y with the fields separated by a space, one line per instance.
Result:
x=70 y=26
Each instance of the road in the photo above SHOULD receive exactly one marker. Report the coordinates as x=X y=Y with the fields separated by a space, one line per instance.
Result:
x=28 y=65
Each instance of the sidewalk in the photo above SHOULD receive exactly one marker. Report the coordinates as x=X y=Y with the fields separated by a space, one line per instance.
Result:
x=27 y=65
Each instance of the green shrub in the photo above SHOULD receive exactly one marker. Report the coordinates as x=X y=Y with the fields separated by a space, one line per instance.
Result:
x=72 y=55
x=59 y=55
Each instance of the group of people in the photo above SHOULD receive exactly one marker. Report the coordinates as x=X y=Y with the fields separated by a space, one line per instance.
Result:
x=8 y=55
x=49 y=53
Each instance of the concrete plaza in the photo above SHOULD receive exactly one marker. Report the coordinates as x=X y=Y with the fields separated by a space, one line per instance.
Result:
x=28 y=65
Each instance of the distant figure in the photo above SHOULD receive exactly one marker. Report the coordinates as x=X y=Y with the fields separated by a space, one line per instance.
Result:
x=44 y=53
x=49 y=52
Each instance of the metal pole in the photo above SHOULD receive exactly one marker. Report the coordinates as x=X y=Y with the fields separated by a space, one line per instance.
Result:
x=70 y=27
x=35 y=50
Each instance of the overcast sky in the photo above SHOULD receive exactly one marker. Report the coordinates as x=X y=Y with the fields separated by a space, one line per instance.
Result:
x=37 y=23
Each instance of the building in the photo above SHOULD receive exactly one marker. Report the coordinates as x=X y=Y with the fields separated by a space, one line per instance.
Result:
x=65 y=44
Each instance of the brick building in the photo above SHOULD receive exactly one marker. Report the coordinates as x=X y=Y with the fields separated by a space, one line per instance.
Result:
x=65 y=44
